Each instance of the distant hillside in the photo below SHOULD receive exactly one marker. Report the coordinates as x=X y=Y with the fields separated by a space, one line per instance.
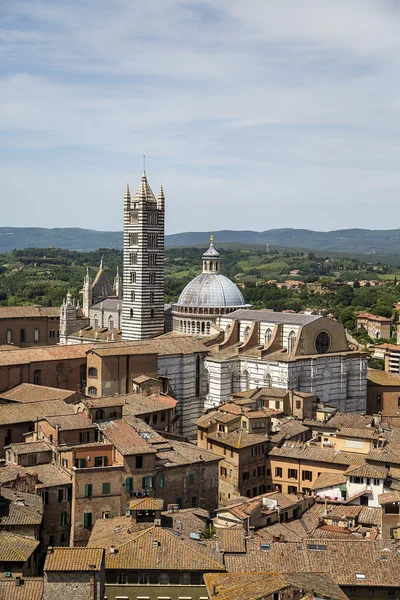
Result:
x=360 y=241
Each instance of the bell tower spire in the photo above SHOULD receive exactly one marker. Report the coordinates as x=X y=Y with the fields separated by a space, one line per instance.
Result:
x=211 y=258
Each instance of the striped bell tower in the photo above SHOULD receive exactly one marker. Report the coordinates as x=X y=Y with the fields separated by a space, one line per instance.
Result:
x=143 y=277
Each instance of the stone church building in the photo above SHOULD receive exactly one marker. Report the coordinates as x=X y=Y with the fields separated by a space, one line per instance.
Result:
x=244 y=348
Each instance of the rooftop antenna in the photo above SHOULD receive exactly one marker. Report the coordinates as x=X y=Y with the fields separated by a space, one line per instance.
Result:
x=144 y=163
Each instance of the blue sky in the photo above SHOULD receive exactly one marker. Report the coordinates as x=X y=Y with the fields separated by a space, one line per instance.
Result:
x=253 y=115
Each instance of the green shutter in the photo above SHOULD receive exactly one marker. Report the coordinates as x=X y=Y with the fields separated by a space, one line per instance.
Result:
x=106 y=461
x=143 y=483
x=106 y=488
x=161 y=481
x=129 y=484
x=63 y=518
x=88 y=490
x=87 y=519
x=60 y=495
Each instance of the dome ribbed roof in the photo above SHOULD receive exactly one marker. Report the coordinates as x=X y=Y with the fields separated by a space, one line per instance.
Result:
x=211 y=290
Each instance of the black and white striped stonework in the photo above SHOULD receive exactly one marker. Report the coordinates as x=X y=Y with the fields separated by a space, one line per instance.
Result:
x=143 y=263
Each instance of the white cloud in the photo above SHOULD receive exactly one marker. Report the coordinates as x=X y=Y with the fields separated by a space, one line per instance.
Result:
x=289 y=106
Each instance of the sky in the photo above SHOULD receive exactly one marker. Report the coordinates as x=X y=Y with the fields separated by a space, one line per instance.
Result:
x=252 y=115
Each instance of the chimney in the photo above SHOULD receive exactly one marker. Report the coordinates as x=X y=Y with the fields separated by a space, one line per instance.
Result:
x=18 y=581
x=215 y=590
x=113 y=550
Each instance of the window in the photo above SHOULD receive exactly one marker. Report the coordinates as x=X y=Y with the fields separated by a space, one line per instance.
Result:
x=121 y=579
x=101 y=461
x=278 y=471
x=152 y=240
x=143 y=578
x=22 y=336
x=129 y=484
x=152 y=297
x=223 y=472
x=268 y=336
x=87 y=520
x=63 y=538
x=298 y=404
x=133 y=276
x=133 y=239
x=32 y=459
x=131 y=313
x=92 y=372
x=322 y=342
x=163 y=579
x=99 y=414
x=106 y=489
x=152 y=260
x=152 y=218
x=392 y=509
x=291 y=341
x=152 y=278
x=277 y=404
x=245 y=475
x=52 y=540
x=64 y=518
x=133 y=296
x=376 y=481
x=84 y=437
x=80 y=463
x=139 y=462
x=36 y=335
x=92 y=390
x=152 y=313
x=161 y=481
x=9 y=336
x=133 y=218
x=306 y=475
x=88 y=490
x=63 y=495
x=36 y=376
x=191 y=479
x=64 y=463
x=268 y=380
x=45 y=497
x=292 y=489
x=162 y=417
x=292 y=473
x=133 y=258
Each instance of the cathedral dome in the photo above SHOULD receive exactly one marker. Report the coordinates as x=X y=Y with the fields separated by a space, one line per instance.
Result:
x=211 y=290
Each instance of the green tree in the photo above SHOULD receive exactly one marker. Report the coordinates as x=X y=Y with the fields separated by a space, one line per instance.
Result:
x=348 y=318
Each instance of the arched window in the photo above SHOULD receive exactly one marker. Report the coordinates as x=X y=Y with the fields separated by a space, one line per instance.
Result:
x=291 y=341
x=92 y=372
x=268 y=380
x=322 y=342
x=268 y=336
x=36 y=335
x=208 y=327
x=9 y=336
x=152 y=313
x=99 y=414
x=133 y=276
x=246 y=333
x=131 y=313
x=198 y=326
x=203 y=327
x=132 y=296
x=96 y=322
x=36 y=376
x=180 y=325
x=184 y=327
x=82 y=376
x=110 y=322
x=92 y=390
x=193 y=326
x=245 y=380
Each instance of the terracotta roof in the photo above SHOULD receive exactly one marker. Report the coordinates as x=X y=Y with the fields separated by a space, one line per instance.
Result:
x=254 y=586
x=316 y=453
x=184 y=453
x=327 y=480
x=370 y=515
x=71 y=422
x=238 y=439
x=104 y=402
x=28 y=392
x=114 y=532
x=27 y=312
x=371 y=317
x=349 y=562
x=367 y=433
x=160 y=345
x=31 y=588
x=24 y=413
x=290 y=531
x=146 y=504
x=73 y=559
x=49 y=475
x=389 y=454
x=43 y=354
x=139 y=404
x=377 y=377
x=158 y=549
x=16 y=548
x=30 y=447
x=231 y=539
x=348 y=420
x=10 y=473
x=293 y=427
x=389 y=498
x=366 y=470
x=19 y=508
x=125 y=438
